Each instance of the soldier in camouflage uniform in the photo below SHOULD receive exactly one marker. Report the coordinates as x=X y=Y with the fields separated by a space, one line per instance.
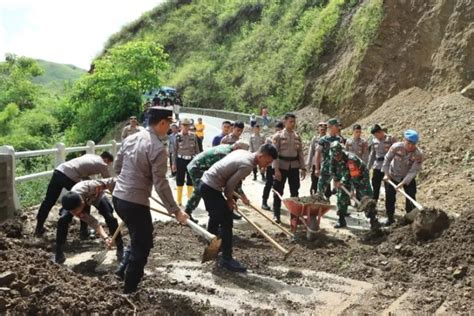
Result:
x=322 y=161
x=348 y=170
x=202 y=163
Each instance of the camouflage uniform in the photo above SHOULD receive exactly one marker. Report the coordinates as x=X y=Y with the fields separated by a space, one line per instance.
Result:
x=325 y=171
x=351 y=172
x=198 y=166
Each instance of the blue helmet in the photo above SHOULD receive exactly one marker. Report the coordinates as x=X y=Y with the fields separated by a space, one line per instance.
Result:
x=411 y=136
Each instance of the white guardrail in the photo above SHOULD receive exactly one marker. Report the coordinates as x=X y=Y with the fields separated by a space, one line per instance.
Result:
x=59 y=153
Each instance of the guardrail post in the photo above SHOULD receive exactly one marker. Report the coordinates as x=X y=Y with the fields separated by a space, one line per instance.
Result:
x=9 y=202
x=60 y=156
x=91 y=147
x=113 y=149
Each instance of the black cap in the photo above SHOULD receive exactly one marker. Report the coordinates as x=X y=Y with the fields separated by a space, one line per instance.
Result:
x=71 y=200
x=376 y=128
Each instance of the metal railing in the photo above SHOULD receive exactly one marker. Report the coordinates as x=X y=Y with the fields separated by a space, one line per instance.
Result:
x=59 y=153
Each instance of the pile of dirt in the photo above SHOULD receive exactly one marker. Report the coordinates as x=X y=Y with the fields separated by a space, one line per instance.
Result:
x=309 y=199
x=429 y=223
x=446 y=127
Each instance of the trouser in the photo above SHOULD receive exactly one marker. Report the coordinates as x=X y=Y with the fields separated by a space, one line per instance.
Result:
x=293 y=176
x=195 y=198
x=391 y=197
x=377 y=178
x=182 y=172
x=199 y=141
x=314 y=185
x=255 y=173
x=220 y=217
x=58 y=182
x=343 y=199
x=268 y=184
x=105 y=209
x=173 y=173
x=140 y=228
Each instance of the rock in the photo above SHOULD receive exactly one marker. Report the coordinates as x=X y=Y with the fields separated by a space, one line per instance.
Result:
x=3 y=304
x=468 y=91
x=460 y=272
x=429 y=223
x=7 y=277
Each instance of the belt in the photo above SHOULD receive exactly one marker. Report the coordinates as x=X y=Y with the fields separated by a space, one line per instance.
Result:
x=288 y=158
x=185 y=157
x=380 y=159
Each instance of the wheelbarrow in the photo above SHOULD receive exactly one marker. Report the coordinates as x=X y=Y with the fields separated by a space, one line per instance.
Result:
x=308 y=214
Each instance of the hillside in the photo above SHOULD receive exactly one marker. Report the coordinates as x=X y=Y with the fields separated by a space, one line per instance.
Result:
x=344 y=57
x=56 y=75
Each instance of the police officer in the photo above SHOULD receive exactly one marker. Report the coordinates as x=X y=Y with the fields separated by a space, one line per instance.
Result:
x=234 y=136
x=65 y=176
x=401 y=165
x=81 y=197
x=141 y=165
x=358 y=145
x=217 y=188
x=323 y=159
x=171 y=144
x=256 y=140
x=269 y=172
x=185 y=148
x=132 y=128
x=202 y=163
x=290 y=160
x=310 y=161
x=381 y=143
x=349 y=170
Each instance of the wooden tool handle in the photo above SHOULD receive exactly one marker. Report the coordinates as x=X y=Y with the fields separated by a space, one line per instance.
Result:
x=277 y=193
x=349 y=193
x=412 y=200
x=283 y=229
x=265 y=235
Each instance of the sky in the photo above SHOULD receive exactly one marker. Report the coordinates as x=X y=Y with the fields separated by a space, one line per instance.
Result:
x=64 y=31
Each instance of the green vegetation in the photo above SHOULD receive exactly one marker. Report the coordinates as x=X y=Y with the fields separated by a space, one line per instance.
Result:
x=57 y=78
x=243 y=54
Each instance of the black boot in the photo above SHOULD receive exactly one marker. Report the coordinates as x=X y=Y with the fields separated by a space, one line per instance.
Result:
x=236 y=216
x=119 y=253
x=341 y=223
x=191 y=216
x=59 y=257
x=120 y=272
x=265 y=206
x=132 y=278
x=390 y=220
x=39 y=231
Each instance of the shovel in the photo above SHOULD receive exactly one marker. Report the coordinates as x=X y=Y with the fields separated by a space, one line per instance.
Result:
x=211 y=251
x=283 y=229
x=411 y=215
x=363 y=205
x=99 y=257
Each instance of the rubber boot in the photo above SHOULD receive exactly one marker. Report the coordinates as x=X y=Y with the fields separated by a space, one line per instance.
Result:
x=120 y=272
x=180 y=195
x=132 y=278
x=341 y=223
x=190 y=191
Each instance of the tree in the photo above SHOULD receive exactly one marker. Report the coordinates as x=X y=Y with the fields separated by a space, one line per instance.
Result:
x=114 y=89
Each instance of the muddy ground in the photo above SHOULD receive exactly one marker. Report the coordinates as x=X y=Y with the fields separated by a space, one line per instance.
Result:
x=428 y=276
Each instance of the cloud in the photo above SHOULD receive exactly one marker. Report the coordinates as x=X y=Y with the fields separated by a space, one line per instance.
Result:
x=71 y=32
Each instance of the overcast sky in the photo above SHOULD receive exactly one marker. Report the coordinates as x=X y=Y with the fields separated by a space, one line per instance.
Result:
x=64 y=31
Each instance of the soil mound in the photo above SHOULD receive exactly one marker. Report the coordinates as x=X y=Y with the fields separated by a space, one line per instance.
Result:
x=430 y=223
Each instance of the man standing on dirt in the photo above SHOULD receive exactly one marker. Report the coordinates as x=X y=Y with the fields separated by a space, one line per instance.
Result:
x=141 y=165
x=290 y=160
x=381 y=143
x=401 y=165
x=349 y=170
x=185 y=148
x=310 y=161
x=269 y=173
x=256 y=140
x=132 y=128
x=200 y=132
x=323 y=160
x=77 y=203
x=234 y=136
x=216 y=141
x=65 y=176
x=358 y=145
x=224 y=177
x=171 y=144
x=200 y=164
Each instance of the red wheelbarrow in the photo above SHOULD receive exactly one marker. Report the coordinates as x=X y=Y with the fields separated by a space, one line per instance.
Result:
x=308 y=214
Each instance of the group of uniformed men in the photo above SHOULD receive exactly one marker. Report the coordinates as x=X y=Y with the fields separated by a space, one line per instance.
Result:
x=216 y=173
